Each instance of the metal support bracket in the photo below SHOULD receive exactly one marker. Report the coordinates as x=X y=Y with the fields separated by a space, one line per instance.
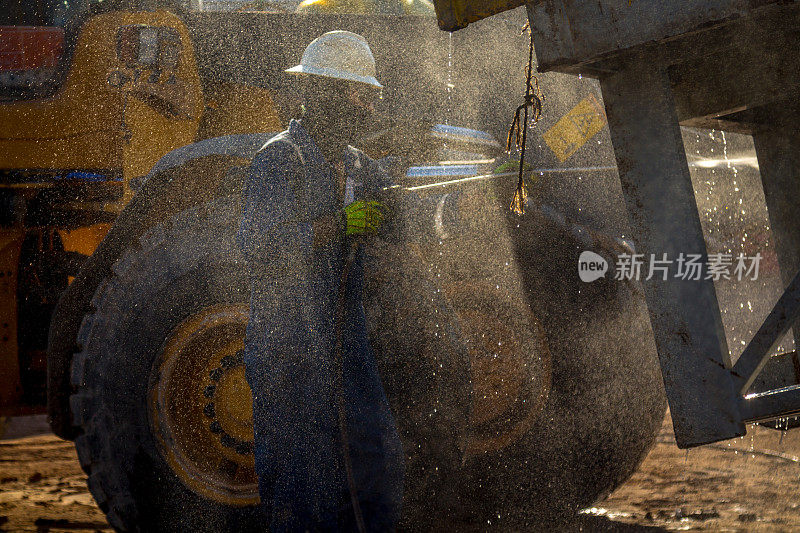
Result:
x=684 y=314
x=759 y=351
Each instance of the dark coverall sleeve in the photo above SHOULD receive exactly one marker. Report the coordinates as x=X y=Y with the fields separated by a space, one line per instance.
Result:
x=273 y=229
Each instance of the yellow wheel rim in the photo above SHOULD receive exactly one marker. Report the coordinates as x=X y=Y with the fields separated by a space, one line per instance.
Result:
x=511 y=372
x=201 y=408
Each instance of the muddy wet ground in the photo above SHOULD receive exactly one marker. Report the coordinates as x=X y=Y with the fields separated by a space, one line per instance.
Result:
x=749 y=484
x=42 y=487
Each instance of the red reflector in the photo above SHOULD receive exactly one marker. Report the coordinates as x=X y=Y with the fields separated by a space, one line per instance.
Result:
x=30 y=47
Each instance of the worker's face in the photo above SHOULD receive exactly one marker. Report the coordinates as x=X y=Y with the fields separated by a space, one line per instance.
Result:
x=356 y=109
x=346 y=107
x=362 y=96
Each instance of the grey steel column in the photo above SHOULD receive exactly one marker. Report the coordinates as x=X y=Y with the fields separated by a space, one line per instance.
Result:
x=663 y=213
x=778 y=151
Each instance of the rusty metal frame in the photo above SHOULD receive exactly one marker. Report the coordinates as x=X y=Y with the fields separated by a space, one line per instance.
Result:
x=661 y=66
x=728 y=64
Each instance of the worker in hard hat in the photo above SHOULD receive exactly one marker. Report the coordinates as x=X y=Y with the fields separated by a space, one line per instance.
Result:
x=309 y=198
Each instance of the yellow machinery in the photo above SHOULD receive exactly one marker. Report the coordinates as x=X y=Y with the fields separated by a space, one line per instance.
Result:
x=129 y=93
x=365 y=7
x=125 y=135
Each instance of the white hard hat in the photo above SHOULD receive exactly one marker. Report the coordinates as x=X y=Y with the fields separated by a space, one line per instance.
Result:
x=339 y=54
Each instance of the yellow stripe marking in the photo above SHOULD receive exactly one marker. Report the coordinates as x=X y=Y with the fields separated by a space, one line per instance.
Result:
x=575 y=128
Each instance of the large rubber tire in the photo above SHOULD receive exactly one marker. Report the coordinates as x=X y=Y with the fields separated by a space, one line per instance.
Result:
x=606 y=401
x=603 y=410
x=425 y=370
x=191 y=264
x=182 y=267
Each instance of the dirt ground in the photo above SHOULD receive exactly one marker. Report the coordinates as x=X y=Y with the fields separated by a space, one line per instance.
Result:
x=42 y=487
x=750 y=484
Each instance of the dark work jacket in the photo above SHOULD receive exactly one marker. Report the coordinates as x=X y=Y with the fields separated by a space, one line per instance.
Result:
x=290 y=339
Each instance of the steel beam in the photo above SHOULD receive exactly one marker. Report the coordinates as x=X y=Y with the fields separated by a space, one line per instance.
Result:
x=778 y=374
x=569 y=33
x=778 y=151
x=664 y=219
x=759 y=350
x=782 y=403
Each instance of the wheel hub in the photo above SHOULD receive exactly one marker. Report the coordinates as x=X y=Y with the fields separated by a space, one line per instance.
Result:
x=201 y=407
x=510 y=363
x=230 y=409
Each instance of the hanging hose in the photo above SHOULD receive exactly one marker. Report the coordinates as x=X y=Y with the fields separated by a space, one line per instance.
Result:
x=352 y=248
x=533 y=99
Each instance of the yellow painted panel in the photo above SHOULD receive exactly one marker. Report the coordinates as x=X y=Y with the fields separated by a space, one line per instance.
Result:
x=367 y=7
x=232 y=108
x=84 y=240
x=575 y=128
x=332 y=7
x=456 y=14
x=82 y=125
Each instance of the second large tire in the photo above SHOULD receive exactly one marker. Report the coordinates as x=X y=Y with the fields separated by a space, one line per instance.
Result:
x=158 y=387
x=159 y=398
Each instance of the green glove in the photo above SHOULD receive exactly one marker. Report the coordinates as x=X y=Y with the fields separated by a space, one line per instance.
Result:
x=363 y=217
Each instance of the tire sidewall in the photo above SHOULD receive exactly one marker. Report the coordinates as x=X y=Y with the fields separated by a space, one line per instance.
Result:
x=191 y=266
